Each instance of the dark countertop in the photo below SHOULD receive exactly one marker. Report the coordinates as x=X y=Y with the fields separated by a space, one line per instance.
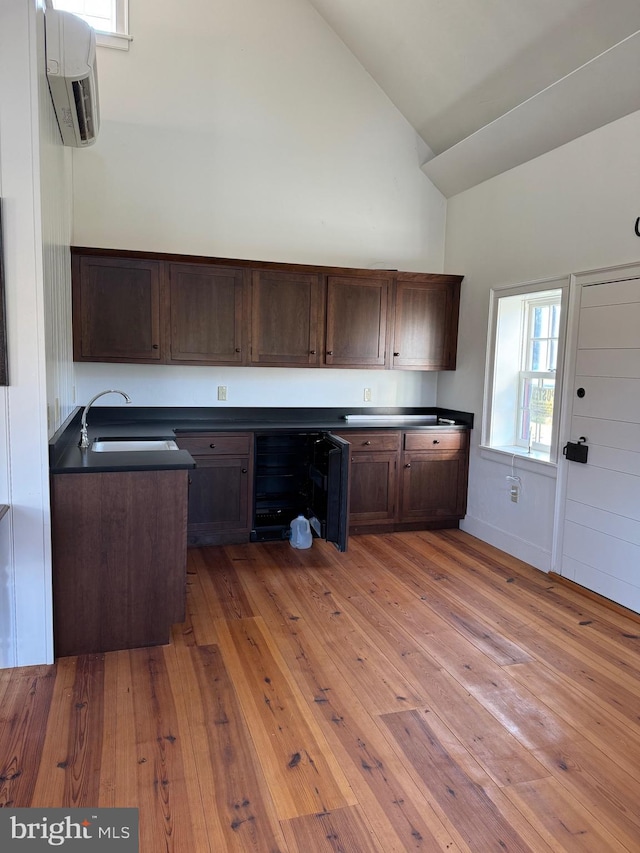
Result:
x=169 y=422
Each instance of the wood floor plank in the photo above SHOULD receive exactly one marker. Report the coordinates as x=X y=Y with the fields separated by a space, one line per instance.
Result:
x=162 y=797
x=240 y=814
x=562 y=820
x=50 y=770
x=584 y=668
x=201 y=604
x=360 y=659
x=605 y=731
x=300 y=769
x=23 y=715
x=600 y=785
x=338 y=830
x=226 y=597
x=431 y=583
x=80 y=760
x=502 y=756
x=400 y=815
x=477 y=818
x=602 y=671
x=610 y=630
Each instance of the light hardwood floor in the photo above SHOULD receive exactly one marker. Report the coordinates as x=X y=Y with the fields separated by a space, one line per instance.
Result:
x=423 y=691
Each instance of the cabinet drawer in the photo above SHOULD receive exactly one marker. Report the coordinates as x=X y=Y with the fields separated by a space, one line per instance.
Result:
x=372 y=441
x=216 y=444
x=435 y=440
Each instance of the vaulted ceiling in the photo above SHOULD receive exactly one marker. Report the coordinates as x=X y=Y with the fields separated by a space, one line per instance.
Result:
x=489 y=84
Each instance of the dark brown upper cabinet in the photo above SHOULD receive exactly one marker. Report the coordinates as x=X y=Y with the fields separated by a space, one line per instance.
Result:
x=286 y=318
x=356 y=321
x=425 y=328
x=208 y=314
x=182 y=309
x=116 y=306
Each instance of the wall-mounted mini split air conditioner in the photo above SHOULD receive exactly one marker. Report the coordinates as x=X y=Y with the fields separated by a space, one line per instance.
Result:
x=72 y=76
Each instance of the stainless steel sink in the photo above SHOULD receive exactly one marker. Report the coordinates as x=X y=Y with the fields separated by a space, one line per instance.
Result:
x=115 y=445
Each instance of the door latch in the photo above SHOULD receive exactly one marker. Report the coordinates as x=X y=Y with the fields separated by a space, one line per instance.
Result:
x=576 y=451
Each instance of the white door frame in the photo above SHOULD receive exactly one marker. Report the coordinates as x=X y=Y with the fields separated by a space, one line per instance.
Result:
x=576 y=282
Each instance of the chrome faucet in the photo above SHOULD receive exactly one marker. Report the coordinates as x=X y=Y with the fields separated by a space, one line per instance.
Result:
x=84 y=438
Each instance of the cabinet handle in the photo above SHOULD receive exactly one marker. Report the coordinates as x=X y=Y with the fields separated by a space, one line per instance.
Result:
x=189 y=480
x=396 y=354
x=436 y=441
x=238 y=349
x=312 y=352
x=366 y=443
x=244 y=470
x=154 y=346
x=212 y=446
x=408 y=465
x=329 y=352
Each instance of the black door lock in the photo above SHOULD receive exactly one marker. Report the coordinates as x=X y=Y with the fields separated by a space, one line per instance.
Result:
x=576 y=451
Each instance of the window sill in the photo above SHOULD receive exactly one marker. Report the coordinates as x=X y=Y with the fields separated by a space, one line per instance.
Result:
x=119 y=41
x=520 y=459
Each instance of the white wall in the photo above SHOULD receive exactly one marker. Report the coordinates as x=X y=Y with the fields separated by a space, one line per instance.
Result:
x=25 y=551
x=570 y=210
x=239 y=128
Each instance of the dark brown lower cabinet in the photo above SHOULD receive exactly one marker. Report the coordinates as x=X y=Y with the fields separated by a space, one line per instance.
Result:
x=434 y=478
x=373 y=480
x=407 y=480
x=119 y=559
x=220 y=487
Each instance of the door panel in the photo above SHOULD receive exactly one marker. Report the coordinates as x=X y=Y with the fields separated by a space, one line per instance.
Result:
x=609 y=326
x=602 y=583
x=329 y=502
x=286 y=318
x=609 y=398
x=595 y=518
x=593 y=547
x=356 y=321
x=207 y=318
x=601 y=513
x=613 y=491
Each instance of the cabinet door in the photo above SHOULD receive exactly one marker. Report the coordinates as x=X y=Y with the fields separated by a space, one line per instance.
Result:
x=373 y=487
x=425 y=325
x=373 y=480
x=434 y=485
x=208 y=317
x=329 y=473
x=356 y=321
x=219 y=500
x=286 y=318
x=116 y=305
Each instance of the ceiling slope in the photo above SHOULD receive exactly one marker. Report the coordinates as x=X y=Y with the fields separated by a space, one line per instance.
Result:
x=455 y=68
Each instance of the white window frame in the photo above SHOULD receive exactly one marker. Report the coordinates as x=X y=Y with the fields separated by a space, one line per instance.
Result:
x=530 y=292
x=118 y=38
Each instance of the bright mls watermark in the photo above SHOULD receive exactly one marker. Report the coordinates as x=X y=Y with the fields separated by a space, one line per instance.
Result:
x=82 y=830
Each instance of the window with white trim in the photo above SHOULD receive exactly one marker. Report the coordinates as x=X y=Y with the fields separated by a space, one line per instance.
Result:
x=109 y=18
x=526 y=338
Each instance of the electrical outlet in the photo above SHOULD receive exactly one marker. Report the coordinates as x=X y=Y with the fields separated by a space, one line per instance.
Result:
x=367 y=395
x=515 y=494
x=222 y=392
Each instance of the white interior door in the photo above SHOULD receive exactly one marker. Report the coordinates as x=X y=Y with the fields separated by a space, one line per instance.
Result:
x=600 y=514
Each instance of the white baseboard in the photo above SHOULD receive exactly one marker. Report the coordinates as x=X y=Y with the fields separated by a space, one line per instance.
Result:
x=520 y=548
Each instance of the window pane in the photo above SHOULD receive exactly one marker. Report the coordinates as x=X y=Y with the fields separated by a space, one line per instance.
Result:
x=101 y=14
x=537 y=411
